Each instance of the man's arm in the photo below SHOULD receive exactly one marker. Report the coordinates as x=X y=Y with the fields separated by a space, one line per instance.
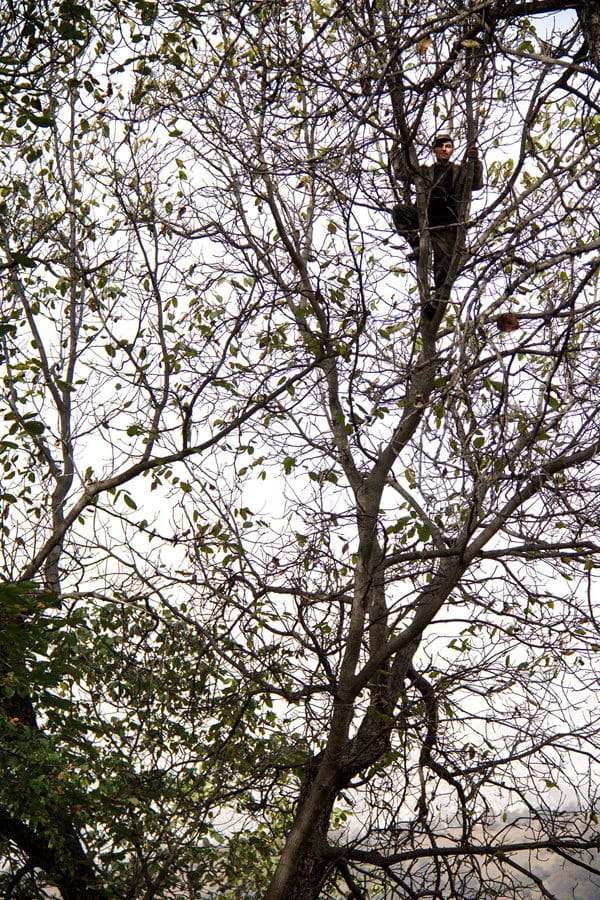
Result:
x=473 y=154
x=399 y=162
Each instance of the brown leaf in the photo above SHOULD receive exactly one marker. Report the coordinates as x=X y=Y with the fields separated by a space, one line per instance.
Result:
x=507 y=322
x=424 y=45
x=365 y=85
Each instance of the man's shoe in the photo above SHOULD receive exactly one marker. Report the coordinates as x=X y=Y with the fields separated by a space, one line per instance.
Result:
x=413 y=256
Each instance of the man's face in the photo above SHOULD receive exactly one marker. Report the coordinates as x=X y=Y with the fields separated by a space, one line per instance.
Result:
x=443 y=151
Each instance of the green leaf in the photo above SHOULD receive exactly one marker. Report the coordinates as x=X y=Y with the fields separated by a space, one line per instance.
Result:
x=34 y=428
x=424 y=532
x=65 y=386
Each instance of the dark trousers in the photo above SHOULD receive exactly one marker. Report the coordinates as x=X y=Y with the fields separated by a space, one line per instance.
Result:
x=443 y=239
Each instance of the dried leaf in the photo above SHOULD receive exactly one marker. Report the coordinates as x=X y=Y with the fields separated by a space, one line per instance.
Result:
x=424 y=45
x=507 y=322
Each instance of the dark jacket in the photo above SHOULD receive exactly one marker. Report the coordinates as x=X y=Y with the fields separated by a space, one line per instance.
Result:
x=444 y=184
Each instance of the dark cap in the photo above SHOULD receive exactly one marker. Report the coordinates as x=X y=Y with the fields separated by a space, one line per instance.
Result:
x=440 y=139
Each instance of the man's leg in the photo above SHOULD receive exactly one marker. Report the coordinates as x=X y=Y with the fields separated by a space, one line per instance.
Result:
x=406 y=223
x=443 y=241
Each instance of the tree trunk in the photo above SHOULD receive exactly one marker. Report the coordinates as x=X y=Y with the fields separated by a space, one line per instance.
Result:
x=301 y=878
x=589 y=19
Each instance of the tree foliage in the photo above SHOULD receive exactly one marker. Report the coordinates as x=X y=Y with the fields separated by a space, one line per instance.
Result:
x=297 y=589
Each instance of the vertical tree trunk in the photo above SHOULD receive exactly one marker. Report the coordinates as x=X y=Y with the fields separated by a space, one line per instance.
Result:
x=300 y=875
x=589 y=19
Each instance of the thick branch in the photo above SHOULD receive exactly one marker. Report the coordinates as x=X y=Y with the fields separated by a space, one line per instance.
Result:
x=374 y=857
x=73 y=874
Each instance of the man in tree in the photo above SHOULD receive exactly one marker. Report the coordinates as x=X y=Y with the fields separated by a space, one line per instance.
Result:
x=448 y=186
